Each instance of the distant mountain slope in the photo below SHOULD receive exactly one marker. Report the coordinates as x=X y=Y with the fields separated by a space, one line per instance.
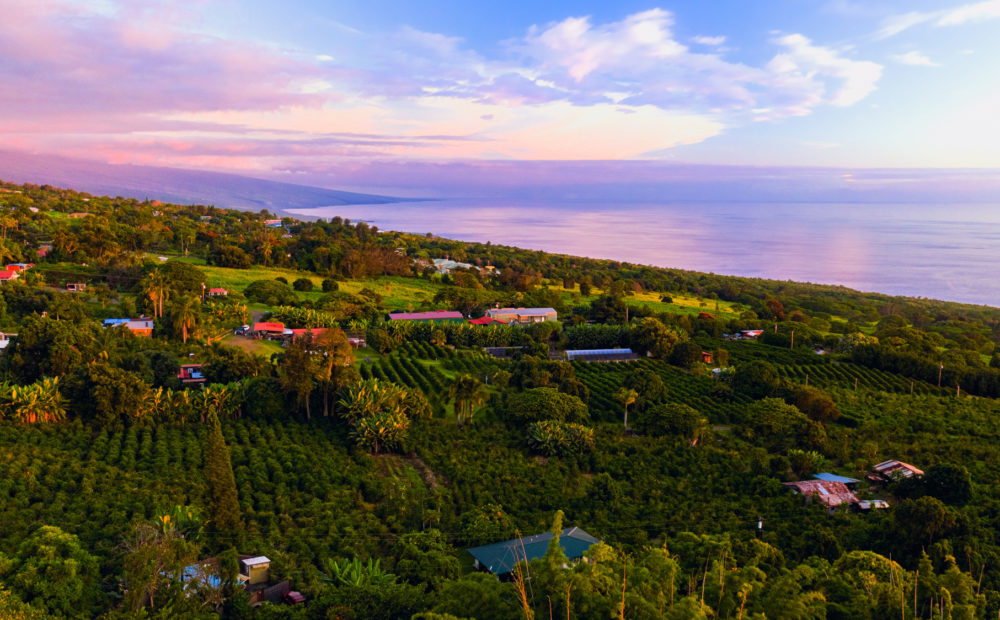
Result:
x=173 y=185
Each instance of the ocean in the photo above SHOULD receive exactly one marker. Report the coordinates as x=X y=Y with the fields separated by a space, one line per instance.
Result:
x=938 y=251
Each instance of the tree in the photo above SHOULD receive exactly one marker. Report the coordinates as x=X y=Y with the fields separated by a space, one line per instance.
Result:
x=757 y=379
x=220 y=486
x=53 y=571
x=334 y=370
x=303 y=284
x=156 y=554
x=467 y=392
x=671 y=419
x=297 y=371
x=184 y=316
x=544 y=403
x=426 y=558
x=626 y=396
x=655 y=338
x=156 y=288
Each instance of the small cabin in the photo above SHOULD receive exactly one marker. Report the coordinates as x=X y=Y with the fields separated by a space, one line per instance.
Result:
x=191 y=373
x=76 y=287
x=218 y=292
x=256 y=569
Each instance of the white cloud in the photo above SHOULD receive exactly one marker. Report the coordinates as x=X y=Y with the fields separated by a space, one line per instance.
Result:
x=970 y=13
x=914 y=58
x=821 y=74
x=714 y=41
x=973 y=12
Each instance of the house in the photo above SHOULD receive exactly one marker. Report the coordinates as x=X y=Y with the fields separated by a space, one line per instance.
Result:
x=20 y=267
x=706 y=315
x=446 y=265
x=254 y=575
x=44 y=249
x=268 y=330
x=887 y=470
x=830 y=494
x=218 y=292
x=357 y=342
x=5 y=340
x=500 y=558
x=706 y=357
x=434 y=316
x=272 y=223
x=140 y=327
x=750 y=334
x=76 y=287
x=114 y=322
x=191 y=373
x=850 y=483
x=871 y=504
x=7 y=275
x=601 y=355
x=315 y=331
x=502 y=352
x=486 y=320
x=523 y=316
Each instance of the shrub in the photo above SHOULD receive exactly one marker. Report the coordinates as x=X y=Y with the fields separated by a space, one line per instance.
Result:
x=270 y=292
x=303 y=284
x=329 y=284
x=553 y=438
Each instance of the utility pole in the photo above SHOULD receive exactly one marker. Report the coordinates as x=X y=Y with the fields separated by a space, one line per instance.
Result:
x=202 y=292
x=940 y=368
x=792 y=345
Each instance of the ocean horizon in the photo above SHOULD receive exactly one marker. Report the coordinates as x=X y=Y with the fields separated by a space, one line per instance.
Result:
x=939 y=251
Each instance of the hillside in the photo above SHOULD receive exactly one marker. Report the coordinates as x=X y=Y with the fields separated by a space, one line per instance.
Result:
x=365 y=455
x=174 y=185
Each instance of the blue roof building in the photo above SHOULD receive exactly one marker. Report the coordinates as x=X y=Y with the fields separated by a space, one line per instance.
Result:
x=835 y=478
x=500 y=558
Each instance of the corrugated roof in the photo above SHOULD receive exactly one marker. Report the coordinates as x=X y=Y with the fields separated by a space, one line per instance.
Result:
x=888 y=468
x=500 y=558
x=433 y=315
x=573 y=353
x=260 y=559
x=522 y=311
x=829 y=493
x=835 y=478
x=486 y=320
x=268 y=327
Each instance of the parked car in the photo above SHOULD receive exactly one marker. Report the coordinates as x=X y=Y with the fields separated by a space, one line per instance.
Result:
x=242 y=330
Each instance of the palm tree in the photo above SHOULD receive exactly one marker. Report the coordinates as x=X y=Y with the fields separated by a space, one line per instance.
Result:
x=626 y=396
x=184 y=315
x=468 y=392
x=156 y=288
x=156 y=402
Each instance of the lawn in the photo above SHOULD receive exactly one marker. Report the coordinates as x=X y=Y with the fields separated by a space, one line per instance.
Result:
x=682 y=304
x=264 y=348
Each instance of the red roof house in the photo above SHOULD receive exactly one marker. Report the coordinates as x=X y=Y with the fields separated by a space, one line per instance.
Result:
x=217 y=292
x=268 y=330
x=316 y=331
x=6 y=275
x=488 y=320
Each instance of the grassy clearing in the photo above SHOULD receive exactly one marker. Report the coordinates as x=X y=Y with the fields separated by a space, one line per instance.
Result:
x=682 y=304
x=264 y=348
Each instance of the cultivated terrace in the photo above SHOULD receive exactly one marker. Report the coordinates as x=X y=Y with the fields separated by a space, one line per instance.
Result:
x=207 y=412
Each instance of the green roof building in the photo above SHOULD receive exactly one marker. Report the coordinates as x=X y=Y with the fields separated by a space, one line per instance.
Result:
x=500 y=558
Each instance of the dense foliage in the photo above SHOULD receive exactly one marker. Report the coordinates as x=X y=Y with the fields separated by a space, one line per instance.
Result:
x=364 y=474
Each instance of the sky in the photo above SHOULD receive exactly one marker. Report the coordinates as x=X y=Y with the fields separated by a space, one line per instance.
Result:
x=294 y=89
